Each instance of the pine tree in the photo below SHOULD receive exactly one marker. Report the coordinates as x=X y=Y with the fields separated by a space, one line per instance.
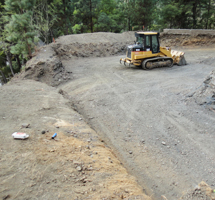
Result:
x=44 y=18
x=63 y=12
x=20 y=30
x=188 y=13
x=85 y=14
x=4 y=45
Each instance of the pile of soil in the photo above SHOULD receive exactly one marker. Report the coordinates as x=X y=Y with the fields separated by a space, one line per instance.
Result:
x=46 y=65
x=205 y=94
x=187 y=40
x=93 y=44
x=203 y=191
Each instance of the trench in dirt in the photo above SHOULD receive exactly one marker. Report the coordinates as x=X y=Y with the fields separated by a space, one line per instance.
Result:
x=161 y=136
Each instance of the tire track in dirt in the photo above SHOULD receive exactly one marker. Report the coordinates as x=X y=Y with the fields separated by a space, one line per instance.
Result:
x=128 y=105
x=130 y=112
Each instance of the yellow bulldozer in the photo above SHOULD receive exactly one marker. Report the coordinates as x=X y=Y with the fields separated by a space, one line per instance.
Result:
x=147 y=53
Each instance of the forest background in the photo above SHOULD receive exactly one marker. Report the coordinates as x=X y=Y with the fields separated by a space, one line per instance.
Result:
x=24 y=23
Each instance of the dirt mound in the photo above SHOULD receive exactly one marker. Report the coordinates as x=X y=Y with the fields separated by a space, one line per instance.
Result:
x=45 y=67
x=187 y=40
x=93 y=44
x=205 y=95
x=203 y=191
x=192 y=32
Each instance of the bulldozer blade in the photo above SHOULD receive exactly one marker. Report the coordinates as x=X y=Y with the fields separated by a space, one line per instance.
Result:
x=178 y=57
x=182 y=61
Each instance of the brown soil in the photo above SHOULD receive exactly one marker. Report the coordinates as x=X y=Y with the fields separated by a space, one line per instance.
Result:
x=202 y=191
x=187 y=40
x=92 y=45
x=75 y=165
x=45 y=67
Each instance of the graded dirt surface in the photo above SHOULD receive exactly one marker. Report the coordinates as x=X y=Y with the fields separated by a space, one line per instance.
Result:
x=161 y=135
x=75 y=165
x=123 y=132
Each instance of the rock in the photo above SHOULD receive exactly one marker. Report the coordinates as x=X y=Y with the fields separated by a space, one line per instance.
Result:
x=163 y=143
x=79 y=168
x=130 y=152
x=90 y=169
x=6 y=197
x=25 y=125
x=83 y=178
x=143 y=141
x=43 y=132
x=76 y=162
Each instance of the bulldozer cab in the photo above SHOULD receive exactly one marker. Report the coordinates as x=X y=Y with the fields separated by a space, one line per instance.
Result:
x=148 y=41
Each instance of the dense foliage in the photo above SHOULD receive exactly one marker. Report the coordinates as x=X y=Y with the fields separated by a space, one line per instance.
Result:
x=23 y=22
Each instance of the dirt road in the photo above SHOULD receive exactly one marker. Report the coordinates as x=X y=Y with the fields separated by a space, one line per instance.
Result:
x=160 y=134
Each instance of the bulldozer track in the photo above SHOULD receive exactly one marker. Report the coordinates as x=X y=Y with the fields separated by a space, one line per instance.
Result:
x=157 y=62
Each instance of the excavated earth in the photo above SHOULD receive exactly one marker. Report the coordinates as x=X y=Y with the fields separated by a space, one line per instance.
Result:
x=123 y=132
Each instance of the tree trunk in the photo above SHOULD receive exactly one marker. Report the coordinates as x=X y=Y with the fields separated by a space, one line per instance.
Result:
x=51 y=34
x=23 y=60
x=29 y=47
x=209 y=7
x=10 y=62
x=129 y=28
x=91 y=17
x=65 y=17
x=194 y=13
x=3 y=77
x=144 y=15
x=181 y=22
x=18 y=61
